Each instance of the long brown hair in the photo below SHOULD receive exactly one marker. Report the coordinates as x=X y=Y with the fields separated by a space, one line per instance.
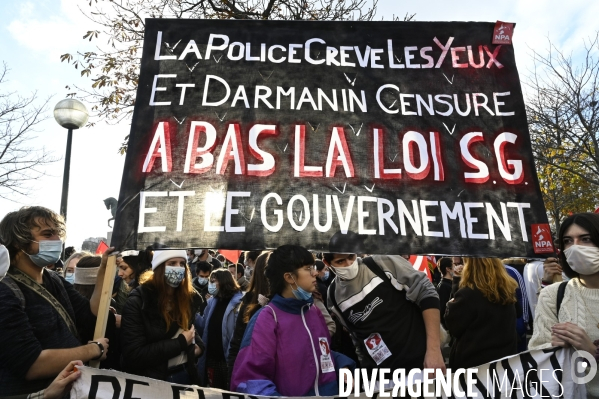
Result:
x=258 y=285
x=180 y=311
x=488 y=275
x=227 y=285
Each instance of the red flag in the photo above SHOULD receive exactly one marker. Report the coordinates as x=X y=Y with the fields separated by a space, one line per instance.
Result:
x=422 y=263
x=597 y=210
x=102 y=247
x=231 y=254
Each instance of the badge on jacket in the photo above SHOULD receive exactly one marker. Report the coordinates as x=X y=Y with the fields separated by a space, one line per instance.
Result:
x=326 y=363
x=377 y=349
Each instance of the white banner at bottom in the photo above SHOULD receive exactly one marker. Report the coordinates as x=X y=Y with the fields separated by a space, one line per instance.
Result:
x=547 y=373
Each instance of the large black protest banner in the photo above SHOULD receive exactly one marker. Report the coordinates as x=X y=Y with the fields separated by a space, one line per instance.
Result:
x=378 y=137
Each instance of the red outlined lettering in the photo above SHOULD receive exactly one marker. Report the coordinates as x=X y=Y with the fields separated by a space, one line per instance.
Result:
x=482 y=174
x=267 y=167
x=506 y=165
x=338 y=154
x=481 y=57
x=231 y=149
x=412 y=140
x=300 y=169
x=438 y=171
x=493 y=57
x=204 y=152
x=455 y=57
x=160 y=148
x=379 y=159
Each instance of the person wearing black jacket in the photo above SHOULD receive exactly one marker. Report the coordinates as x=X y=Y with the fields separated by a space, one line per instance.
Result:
x=482 y=315
x=252 y=301
x=131 y=265
x=159 y=340
x=323 y=279
x=444 y=286
x=43 y=319
x=200 y=282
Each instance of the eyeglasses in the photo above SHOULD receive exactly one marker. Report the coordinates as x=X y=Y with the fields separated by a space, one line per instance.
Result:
x=312 y=269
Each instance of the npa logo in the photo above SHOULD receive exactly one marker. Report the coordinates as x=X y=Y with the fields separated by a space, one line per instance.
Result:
x=541 y=239
x=502 y=34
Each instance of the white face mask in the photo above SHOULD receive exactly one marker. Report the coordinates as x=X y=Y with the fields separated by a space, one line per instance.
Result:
x=348 y=272
x=583 y=259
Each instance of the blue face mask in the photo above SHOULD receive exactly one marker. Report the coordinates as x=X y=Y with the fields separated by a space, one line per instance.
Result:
x=70 y=277
x=48 y=254
x=326 y=275
x=212 y=290
x=300 y=293
x=202 y=281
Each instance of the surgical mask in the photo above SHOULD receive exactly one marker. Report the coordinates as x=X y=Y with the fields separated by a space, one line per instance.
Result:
x=70 y=277
x=300 y=293
x=583 y=259
x=212 y=290
x=347 y=273
x=174 y=275
x=4 y=261
x=48 y=254
x=326 y=275
x=202 y=280
x=248 y=272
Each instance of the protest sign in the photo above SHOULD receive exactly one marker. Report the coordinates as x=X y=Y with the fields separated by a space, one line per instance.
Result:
x=380 y=137
x=533 y=374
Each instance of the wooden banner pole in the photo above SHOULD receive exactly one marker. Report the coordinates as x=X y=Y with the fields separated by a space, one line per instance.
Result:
x=104 y=307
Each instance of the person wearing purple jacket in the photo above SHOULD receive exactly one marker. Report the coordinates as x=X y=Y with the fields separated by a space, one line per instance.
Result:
x=285 y=350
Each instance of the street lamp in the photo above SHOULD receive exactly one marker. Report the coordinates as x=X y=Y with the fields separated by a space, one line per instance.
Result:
x=70 y=114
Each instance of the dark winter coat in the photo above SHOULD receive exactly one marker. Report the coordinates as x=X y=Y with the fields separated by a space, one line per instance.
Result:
x=147 y=345
x=483 y=331
x=444 y=291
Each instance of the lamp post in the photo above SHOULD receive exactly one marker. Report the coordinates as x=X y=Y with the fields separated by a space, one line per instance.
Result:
x=70 y=114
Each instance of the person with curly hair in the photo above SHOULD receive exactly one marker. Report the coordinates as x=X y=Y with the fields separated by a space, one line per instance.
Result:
x=44 y=322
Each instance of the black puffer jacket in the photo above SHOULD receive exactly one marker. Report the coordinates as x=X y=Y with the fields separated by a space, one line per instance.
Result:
x=146 y=344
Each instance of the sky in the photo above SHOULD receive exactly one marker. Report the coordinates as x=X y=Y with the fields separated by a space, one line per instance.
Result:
x=33 y=35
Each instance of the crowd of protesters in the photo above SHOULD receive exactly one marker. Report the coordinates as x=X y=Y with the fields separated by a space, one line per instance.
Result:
x=280 y=322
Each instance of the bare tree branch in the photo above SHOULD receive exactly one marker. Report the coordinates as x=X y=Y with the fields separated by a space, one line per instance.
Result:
x=563 y=111
x=114 y=67
x=20 y=162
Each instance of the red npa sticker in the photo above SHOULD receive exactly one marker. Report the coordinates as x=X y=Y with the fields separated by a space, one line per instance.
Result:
x=541 y=239
x=502 y=34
